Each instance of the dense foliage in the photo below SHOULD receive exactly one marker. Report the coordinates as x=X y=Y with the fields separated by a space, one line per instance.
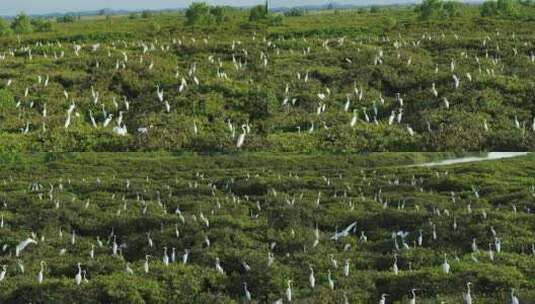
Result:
x=268 y=218
x=68 y=18
x=22 y=24
x=324 y=81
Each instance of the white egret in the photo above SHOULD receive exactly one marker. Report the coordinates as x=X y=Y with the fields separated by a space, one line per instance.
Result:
x=395 y=267
x=185 y=256
x=78 y=276
x=413 y=299
x=128 y=269
x=41 y=275
x=146 y=264
x=289 y=291
x=3 y=273
x=467 y=296
x=445 y=265
x=330 y=280
x=165 y=258
x=457 y=81
x=20 y=265
x=410 y=130
x=312 y=278
x=514 y=299
x=23 y=244
x=247 y=292
x=241 y=138
x=344 y=232
x=383 y=298
x=218 y=266
x=354 y=119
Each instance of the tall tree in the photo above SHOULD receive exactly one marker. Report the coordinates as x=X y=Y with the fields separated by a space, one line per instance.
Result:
x=22 y=24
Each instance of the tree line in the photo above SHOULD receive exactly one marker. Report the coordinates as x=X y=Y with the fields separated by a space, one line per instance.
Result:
x=491 y=8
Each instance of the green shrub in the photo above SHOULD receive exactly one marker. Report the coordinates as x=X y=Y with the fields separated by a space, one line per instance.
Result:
x=7 y=101
x=22 y=24
x=294 y=12
x=146 y=14
x=4 y=27
x=258 y=12
x=68 y=18
x=41 y=25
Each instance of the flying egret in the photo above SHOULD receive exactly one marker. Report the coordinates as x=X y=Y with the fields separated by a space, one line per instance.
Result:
x=23 y=244
x=344 y=232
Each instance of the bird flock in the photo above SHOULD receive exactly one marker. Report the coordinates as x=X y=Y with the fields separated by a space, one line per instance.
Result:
x=278 y=234
x=195 y=90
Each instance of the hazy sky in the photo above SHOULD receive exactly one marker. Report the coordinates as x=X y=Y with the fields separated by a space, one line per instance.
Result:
x=11 y=7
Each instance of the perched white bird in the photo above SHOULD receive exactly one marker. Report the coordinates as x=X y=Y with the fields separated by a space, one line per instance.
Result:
x=108 y=120
x=120 y=130
x=241 y=138
x=457 y=81
x=288 y=291
x=413 y=299
x=218 y=266
x=40 y=275
x=383 y=298
x=312 y=278
x=446 y=103
x=514 y=299
x=445 y=265
x=128 y=269
x=434 y=90
x=3 y=273
x=246 y=292
x=185 y=256
x=165 y=258
x=410 y=130
x=395 y=267
x=78 y=276
x=330 y=280
x=467 y=296
x=354 y=119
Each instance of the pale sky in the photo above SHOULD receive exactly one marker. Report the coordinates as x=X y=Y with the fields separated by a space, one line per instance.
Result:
x=12 y=7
